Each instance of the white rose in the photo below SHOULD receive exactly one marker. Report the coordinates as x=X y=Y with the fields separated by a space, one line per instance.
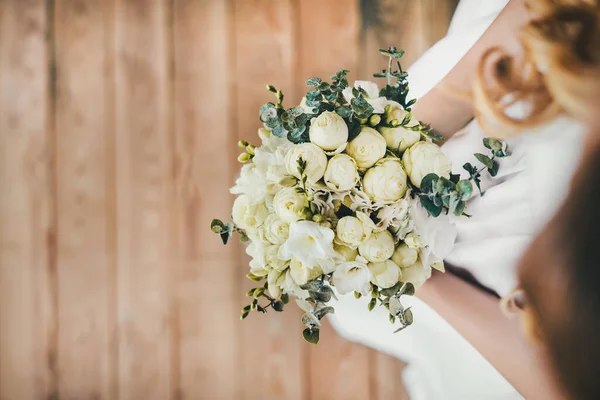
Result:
x=302 y=273
x=367 y=148
x=379 y=247
x=372 y=95
x=274 y=229
x=248 y=215
x=352 y=276
x=348 y=253
x=425 y=158
x=312 y=245
x=351 y=231
x=386 y=181
x=290 y=205
x=384 y=274
x=329 y=131
x=313 y=155
x=405 y=256
x=341 y=173
x=401 y=137
x=416 y=274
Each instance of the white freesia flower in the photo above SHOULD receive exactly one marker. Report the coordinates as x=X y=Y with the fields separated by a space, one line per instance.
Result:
x=372 y=95
x=425 y=158
x=348 y=253
x=290 y=205
x=352 y=231
x=290 y=287
x=272 y=142
x=379 y=247
x=341 y=173
x=248 y=215
x=437 y=235
x=312 y=245
x=405 y=256
x=399 y=138
x=367 y=148
x=276 y=279
x=352 y=276
x=384 y=274
x=302 y=273
x=264 y=257
x=386 y=181
x=274 y=230
x=417 y=274
x=313 y=155
x=329 y=131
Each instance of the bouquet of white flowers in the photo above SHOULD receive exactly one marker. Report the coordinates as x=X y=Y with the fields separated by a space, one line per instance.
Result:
x=348 y=193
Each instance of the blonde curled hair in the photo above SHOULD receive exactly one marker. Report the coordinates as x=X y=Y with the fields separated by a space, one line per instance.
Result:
x=559 y=73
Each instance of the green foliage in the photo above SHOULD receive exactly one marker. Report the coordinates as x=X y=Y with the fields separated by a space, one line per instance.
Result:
x=397 y=83
x=311 y=335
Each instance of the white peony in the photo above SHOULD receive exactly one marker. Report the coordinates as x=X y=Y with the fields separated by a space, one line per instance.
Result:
x=384 y=274
x=290 y=205
x=312 y=245
x=416 y=274
x=329 y=131
x=303 y=273
x=425 y=158
x=372 y=95
x=405 y=256
x=313 y=155
x=367 y=148
x=386 y=181
x=352 y=276
x=348 y=253
x=399 y=138
x=352 y=231
x=379 y=247
x=341 y=173
x=274 y=230
x=248 y=215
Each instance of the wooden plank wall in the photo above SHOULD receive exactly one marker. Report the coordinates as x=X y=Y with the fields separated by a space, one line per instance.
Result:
x=118 y=125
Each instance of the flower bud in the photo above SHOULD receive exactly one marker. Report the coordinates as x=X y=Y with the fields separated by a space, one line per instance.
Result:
x=244 y=157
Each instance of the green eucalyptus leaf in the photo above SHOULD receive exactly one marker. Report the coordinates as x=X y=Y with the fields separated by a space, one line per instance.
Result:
x=313 y=81
x=311 y=335
x=321 y=312
x=344 y=111
x=432 y=208
x=217 y=226
x=391 y=291
x=495 y=167
x=485 y=160
x=428 y=183
x=465 y=189
x=408 y=289
x=459 y=209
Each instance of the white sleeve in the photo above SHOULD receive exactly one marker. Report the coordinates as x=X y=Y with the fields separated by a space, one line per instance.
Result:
x=471 y=20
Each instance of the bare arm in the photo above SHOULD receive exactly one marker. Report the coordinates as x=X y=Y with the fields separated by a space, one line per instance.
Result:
x=444 y=110
x=477 y=316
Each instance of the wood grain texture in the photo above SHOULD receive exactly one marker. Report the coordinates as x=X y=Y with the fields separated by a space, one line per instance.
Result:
x=27 y=231
x=144 y=230
x=208 y=305
x=85 y=195
x=272 y=349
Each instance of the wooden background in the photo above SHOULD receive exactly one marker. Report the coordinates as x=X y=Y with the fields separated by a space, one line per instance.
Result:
x=118 y=128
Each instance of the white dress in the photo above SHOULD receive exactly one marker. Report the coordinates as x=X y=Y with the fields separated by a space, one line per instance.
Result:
x=531 y=185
